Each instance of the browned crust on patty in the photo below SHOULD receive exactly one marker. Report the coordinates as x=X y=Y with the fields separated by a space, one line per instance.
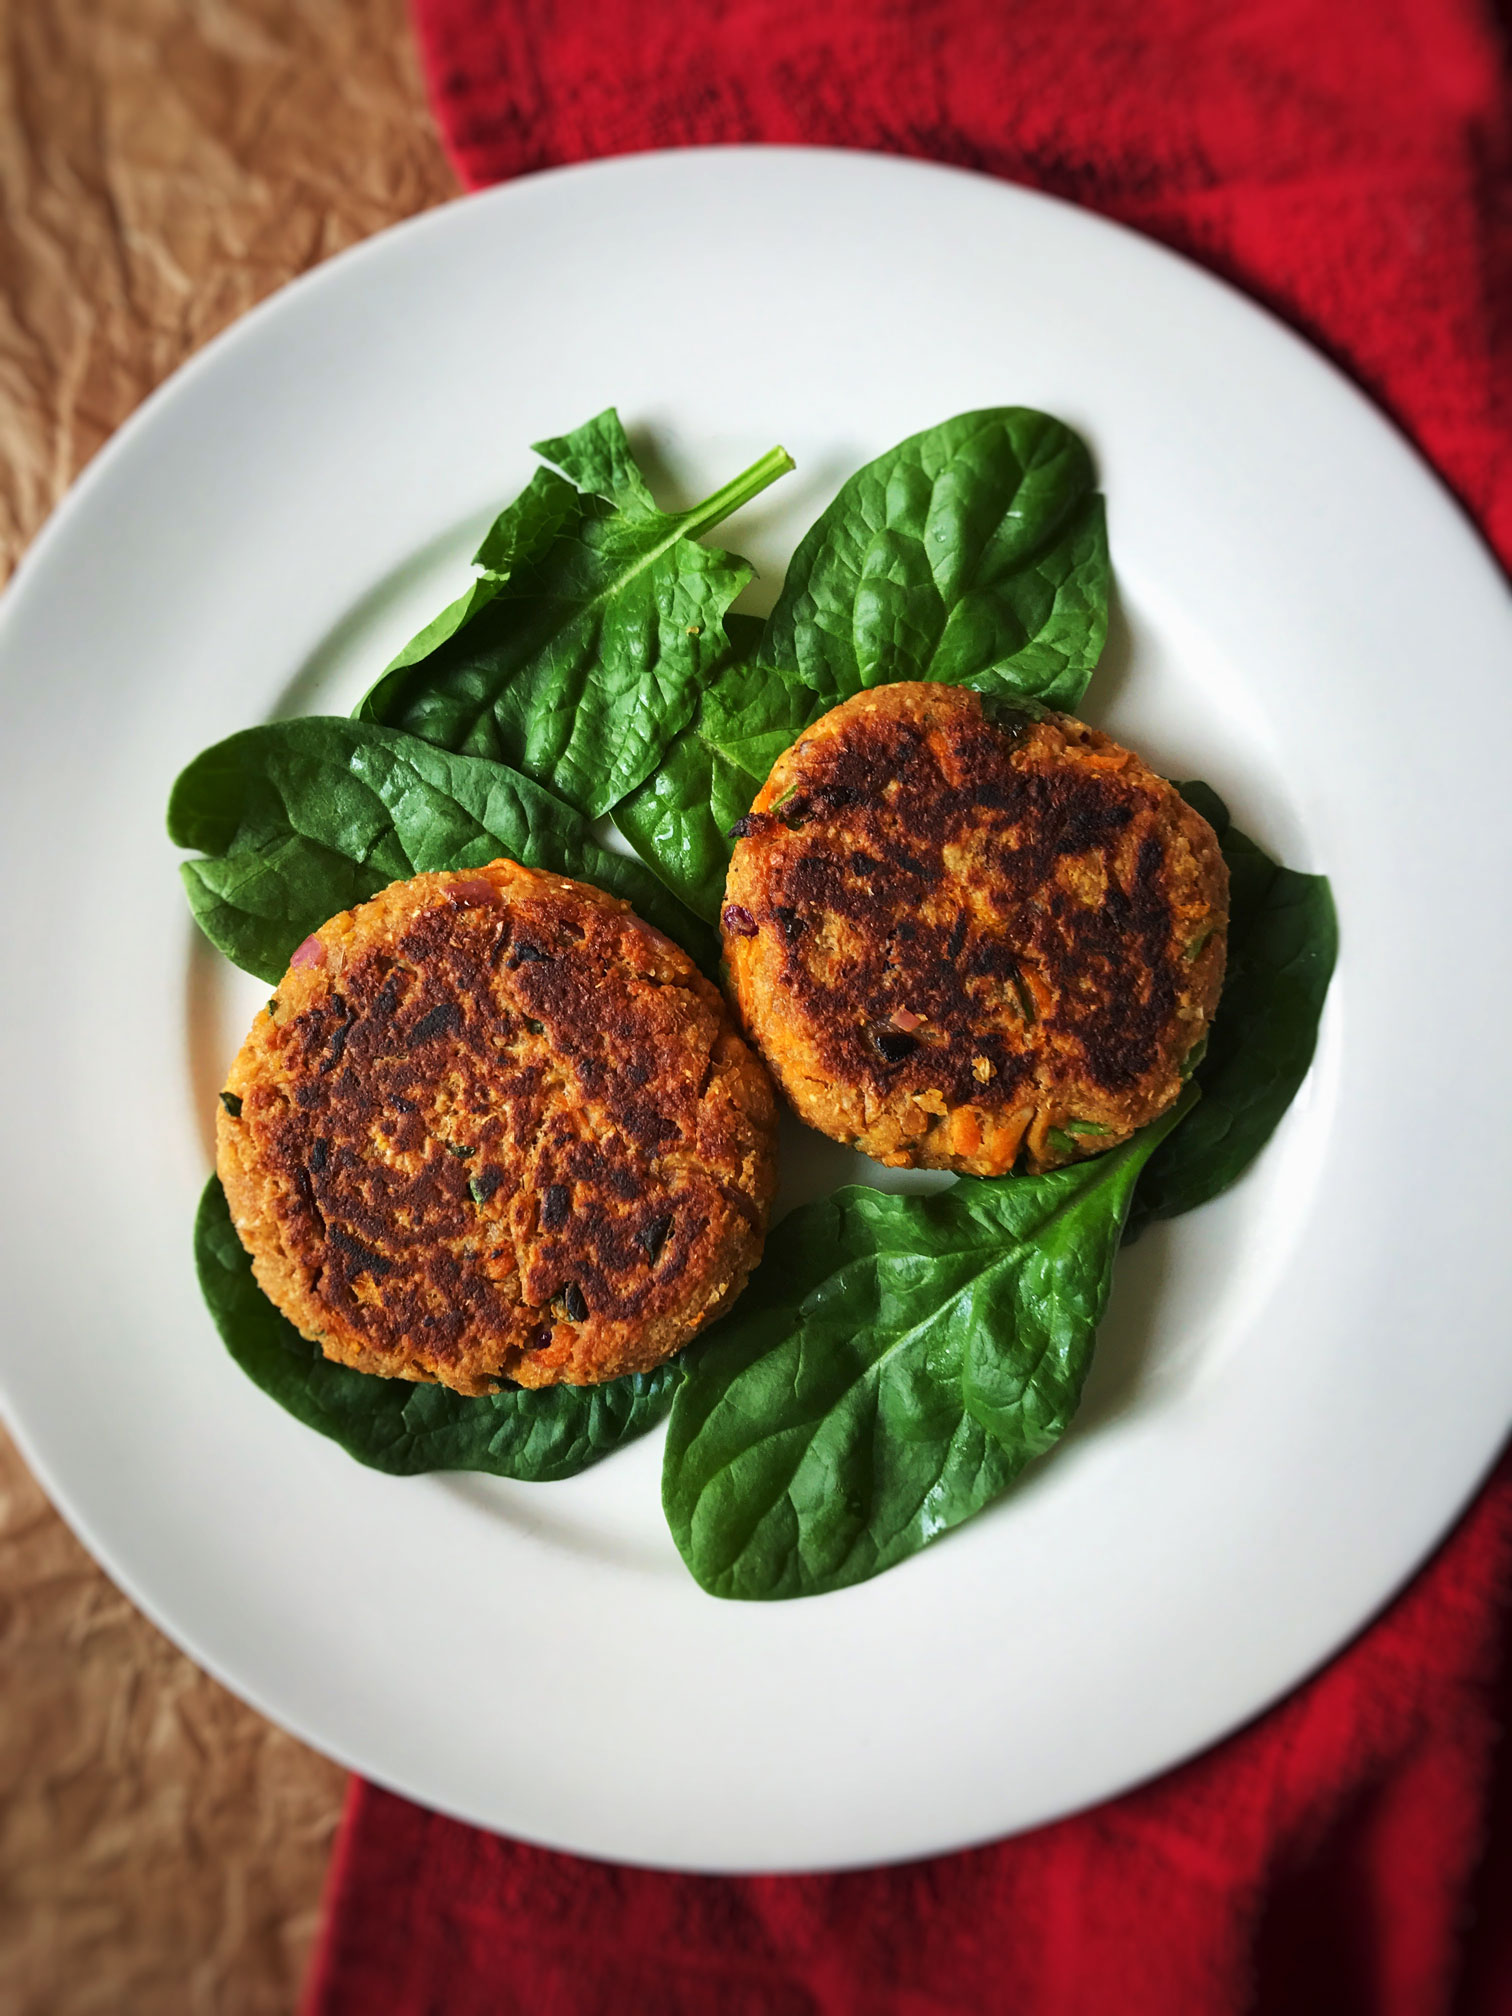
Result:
x=505 y=1130
x=966 y=942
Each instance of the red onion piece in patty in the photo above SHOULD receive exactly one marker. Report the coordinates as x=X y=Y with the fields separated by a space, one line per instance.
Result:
x=475 y=891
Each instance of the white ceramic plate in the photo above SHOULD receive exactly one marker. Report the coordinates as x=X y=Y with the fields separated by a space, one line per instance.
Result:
x=1298 y=1387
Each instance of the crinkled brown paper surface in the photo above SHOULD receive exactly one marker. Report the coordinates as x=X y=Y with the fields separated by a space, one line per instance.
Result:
x=163 y=165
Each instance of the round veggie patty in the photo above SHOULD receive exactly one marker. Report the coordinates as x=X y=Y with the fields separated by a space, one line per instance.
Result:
x=494 y=1127
x=967 y=936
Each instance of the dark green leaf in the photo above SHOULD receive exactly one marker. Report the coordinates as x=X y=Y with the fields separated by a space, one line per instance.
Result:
x=679 y=820
x=1283 y=939
x=399 y=1427
x=890 y=1370
x=580 y=652
x=302 y=819
x=975 y=552
x=598 y=459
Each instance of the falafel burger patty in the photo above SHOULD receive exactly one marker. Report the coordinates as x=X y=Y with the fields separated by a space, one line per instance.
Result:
x=494 y=1127
x=967 y=936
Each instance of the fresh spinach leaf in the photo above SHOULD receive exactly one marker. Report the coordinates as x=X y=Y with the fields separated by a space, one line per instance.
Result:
x=1283 y=940
x=521 y=533
x=580 y=652
x=393 y=1425
x=301 y=819
x=679 y=820
x=889 y=1371
x=975 y=553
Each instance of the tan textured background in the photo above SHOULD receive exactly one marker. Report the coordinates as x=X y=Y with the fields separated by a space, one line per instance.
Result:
x=163 y=165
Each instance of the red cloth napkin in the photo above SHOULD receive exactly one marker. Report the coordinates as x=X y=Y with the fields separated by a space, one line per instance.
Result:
x=1350 y=163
